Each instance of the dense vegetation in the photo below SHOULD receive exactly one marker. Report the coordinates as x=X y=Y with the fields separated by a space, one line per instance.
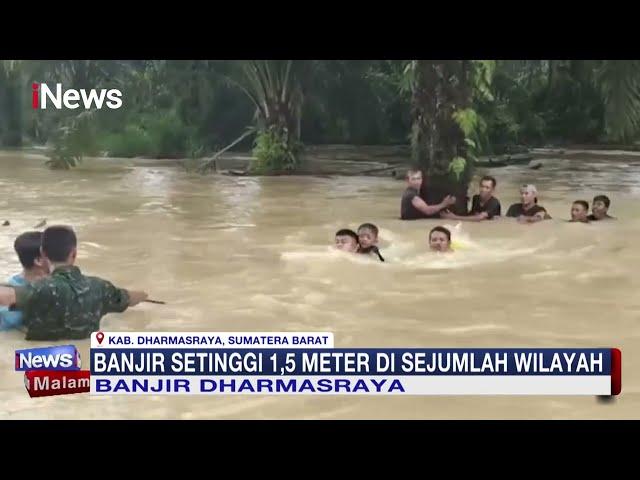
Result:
x=450 y=111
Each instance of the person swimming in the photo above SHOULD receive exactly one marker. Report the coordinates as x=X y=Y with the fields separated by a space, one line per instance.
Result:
x=579 y=211
x=347 y=240
x=368 y=239
x=600 y=209
x=440 y=239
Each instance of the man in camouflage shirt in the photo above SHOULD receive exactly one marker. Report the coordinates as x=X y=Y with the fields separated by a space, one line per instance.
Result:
x=68 y=304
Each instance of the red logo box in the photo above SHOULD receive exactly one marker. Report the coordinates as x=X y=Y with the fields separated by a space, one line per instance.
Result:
x=45 y=383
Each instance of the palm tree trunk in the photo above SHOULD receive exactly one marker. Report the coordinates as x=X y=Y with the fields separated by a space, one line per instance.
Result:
x=10 y=107
x=440 y=87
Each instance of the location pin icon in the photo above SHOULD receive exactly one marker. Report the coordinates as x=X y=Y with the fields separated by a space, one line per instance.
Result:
x=100 y=337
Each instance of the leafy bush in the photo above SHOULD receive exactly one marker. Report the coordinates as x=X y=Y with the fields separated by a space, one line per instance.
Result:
x=160 y=135
x=275 y=153
x=132 y=142
x=170 y=137
x=74 y=140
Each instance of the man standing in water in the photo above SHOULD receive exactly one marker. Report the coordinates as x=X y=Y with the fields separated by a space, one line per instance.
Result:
x=484 y=206
x=412 y=207
x=600 y=209
x=528 y=211
x=68 y=304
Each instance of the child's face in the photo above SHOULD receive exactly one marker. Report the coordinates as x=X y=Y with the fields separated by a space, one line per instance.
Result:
x=578 y=213
x=439 y=242
x=599 y=209
x=346 y=243
x=367 y=238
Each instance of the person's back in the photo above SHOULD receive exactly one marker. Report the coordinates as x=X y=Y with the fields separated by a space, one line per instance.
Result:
x=69 y=305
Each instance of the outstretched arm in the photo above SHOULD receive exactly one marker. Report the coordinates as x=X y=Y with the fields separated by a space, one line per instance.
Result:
x=135 y=297
x=432 y=209
x=116 y=299
x=470 y=218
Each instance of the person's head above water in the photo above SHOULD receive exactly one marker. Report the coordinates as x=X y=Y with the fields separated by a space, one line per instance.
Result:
x=347 y=240
x=27 y=247
x=579 y=211
x=59 y=245
x=528 y=194
x=487 y=187
x=367 y=235
x=600 y=206
x=440 y=239
x=414 y=178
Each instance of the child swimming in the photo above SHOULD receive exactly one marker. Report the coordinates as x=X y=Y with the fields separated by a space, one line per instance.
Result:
x=579 y=211
x=347 y=240
x=368 y=239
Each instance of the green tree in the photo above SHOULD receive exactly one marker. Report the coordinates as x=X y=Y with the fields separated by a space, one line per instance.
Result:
x=446 y=131
x=12 y=91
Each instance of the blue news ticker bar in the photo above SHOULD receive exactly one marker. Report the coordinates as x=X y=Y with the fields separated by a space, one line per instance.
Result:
x=292 y=362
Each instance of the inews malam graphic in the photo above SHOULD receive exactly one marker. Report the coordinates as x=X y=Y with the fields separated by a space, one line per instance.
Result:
x=319 y=239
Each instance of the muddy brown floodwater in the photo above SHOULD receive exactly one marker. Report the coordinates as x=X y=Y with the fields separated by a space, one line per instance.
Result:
x=253 y=254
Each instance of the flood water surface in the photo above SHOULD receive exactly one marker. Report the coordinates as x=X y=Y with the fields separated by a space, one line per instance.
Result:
x=254 y=254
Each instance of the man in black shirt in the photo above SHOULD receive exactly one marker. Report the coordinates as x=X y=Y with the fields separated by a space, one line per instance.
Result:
x=600 y=208
x=528 y=211
x=484 y=206
x=412 y=207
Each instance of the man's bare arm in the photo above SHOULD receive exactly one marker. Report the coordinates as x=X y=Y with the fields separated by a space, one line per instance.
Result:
x=136 y=297
x=471 y=218
x=534 y=218
x=421 y=205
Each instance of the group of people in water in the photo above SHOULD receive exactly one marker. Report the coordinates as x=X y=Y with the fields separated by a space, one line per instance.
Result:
x=51 y=299
x=484 y=206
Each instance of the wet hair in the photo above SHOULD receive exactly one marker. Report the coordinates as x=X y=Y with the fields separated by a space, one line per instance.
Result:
x=584 y=203
x=346 y=232
x=442 y=230
x=369 y=226
x=58 y=242
x=602 y=198
x=27 y=246
x=413 y=170
x=489 y=178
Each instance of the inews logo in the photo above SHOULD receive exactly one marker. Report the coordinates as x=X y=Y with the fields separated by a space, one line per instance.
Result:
x=52 y=371
x=70 y=98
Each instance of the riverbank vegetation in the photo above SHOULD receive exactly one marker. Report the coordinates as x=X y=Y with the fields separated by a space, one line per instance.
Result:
x=449 y=111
